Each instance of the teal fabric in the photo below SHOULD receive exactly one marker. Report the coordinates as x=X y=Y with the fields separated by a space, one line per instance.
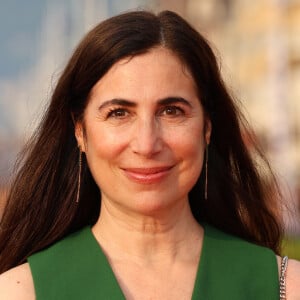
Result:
x=76 y=268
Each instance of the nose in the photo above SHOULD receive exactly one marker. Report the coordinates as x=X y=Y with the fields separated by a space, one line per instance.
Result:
x=147 y=140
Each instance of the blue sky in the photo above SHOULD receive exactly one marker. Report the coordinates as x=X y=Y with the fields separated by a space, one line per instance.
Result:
x=19 y=25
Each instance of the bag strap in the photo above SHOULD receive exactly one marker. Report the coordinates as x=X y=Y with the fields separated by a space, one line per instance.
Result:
x=282 y=280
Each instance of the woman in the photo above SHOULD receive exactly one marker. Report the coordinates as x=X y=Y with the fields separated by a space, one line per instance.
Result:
x=137 y=162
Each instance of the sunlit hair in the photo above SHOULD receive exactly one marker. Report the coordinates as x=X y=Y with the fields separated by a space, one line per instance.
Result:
x=42 y=206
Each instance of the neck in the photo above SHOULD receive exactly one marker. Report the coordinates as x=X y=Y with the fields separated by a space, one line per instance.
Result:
x=151 y=238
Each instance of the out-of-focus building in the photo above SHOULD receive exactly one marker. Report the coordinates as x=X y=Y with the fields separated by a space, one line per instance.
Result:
x=258 y=43
x=264 y=56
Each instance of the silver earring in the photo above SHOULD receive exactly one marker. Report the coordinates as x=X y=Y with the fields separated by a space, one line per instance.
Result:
x=79 y=175
x=206 y=173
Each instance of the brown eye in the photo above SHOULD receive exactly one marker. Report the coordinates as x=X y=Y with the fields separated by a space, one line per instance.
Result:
x=117 y=113
x=172 y=111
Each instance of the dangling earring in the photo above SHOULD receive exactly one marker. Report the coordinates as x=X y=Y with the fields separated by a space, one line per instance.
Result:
x=206 y=173
x=79 y=175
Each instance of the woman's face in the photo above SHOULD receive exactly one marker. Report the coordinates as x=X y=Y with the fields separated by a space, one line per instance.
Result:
x=144 y=133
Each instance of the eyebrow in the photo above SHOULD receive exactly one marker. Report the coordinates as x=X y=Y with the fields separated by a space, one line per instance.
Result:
x=172 y=100
x=128 y=103
x=117 y=101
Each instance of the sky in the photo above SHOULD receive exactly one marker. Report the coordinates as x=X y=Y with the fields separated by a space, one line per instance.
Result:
x=19 y=25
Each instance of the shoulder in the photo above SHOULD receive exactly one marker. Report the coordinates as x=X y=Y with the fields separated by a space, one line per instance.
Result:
x=239 y=247
x=293 y=280
x=17 y=283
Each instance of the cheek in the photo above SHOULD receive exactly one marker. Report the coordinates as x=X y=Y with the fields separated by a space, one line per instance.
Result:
x=193 y=156
x=108 y=139
x=190 y=155
x=190 y=149
x=103 y=145
x=190 y=142
x=102 y=151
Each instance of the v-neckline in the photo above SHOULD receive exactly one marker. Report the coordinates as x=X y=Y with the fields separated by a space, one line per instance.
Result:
x=107 y=271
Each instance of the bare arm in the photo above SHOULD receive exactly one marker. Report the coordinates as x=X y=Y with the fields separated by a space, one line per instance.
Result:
x=17 y=284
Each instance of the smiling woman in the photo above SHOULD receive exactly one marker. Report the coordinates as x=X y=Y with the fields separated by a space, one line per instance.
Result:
x=164 y=185
x=138 y=140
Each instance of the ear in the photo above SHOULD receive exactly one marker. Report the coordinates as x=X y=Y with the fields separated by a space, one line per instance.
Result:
x=207 y=130
x=79 y=134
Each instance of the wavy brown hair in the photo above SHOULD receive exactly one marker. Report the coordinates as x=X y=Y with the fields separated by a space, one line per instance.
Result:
x=41 y=206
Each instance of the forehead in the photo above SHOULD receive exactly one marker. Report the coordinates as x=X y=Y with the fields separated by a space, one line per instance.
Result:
x=157 y=55
x=159 y=70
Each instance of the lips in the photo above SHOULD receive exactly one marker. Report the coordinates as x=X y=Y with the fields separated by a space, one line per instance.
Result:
x=147 y=175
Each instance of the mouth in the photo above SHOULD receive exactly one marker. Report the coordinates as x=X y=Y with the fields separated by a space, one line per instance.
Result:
x=147 y=175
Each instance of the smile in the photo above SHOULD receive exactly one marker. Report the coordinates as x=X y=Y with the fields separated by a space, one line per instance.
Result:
x=147 y=175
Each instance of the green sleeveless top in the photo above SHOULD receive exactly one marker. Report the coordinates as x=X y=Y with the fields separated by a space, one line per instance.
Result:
x=76 y=268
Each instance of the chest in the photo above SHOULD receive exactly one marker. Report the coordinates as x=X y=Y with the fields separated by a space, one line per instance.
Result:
x=166 y=283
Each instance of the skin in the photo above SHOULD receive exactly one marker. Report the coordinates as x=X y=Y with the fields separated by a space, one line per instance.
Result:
x=140 y=143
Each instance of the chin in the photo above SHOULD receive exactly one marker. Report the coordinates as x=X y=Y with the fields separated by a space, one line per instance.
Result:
x=155 y=205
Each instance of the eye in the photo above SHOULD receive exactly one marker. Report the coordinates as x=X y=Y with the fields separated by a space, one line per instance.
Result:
x=172 y=111
x=118 y=113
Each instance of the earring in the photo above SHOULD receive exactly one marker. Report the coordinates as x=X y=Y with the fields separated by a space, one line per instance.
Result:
x=206 y=173
x=79 y=175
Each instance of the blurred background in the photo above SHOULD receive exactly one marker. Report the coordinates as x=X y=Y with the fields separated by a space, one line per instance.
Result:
x=257 y=41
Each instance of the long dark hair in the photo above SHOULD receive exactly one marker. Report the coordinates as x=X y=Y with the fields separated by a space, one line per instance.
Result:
x=41 y=206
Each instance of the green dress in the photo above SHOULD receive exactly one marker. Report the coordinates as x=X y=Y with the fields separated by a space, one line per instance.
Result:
x=76 y=268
